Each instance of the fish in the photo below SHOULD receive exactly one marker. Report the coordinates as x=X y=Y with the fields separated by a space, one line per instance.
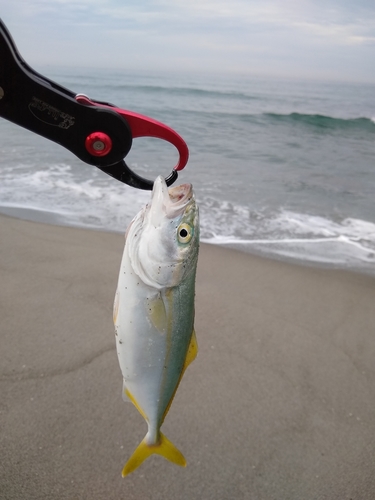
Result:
x=154 y=310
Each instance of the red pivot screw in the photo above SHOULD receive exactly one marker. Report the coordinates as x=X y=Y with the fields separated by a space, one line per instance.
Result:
x=98 y=144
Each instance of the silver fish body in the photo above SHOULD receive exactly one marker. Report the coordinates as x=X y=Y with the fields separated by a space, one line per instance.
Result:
x=154 y=310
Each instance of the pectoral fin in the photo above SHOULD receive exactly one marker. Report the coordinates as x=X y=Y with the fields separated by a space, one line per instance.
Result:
x=157 y=313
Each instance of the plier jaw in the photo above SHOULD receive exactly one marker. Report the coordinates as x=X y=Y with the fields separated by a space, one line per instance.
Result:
x=98 y=133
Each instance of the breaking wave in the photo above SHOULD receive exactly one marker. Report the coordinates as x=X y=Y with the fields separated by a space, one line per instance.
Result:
x=325 y=122
x=348 y=242
x=96 y=203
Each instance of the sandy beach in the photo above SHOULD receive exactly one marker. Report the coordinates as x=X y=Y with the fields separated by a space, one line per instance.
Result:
x=280 y=403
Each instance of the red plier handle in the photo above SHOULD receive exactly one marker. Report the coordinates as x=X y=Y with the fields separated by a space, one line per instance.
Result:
x=144 y=126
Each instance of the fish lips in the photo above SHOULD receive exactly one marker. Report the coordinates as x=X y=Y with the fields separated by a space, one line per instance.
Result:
x=169 y=202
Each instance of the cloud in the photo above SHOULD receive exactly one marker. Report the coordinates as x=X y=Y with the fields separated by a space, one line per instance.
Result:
x=255 y=35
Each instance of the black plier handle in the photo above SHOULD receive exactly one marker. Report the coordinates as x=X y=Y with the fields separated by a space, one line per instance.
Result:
x=98 y=133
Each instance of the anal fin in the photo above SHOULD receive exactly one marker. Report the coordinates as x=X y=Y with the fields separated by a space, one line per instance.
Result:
x=131 y=398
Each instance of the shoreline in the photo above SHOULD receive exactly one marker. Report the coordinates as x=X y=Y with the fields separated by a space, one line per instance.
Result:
x=52 y=218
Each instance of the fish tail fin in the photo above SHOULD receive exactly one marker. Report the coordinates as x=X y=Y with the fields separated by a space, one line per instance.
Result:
x=164 y=447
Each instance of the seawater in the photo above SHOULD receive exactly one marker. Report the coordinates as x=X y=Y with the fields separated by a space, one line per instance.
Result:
x=284 y=168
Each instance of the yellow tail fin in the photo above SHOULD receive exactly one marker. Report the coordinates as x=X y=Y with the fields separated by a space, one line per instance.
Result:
x=165 y=448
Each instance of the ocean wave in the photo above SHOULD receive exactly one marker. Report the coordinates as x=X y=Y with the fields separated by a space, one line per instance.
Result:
x=311 y=122
x=337 y=251
x=349 y=242
x=240 y=222
x=183 y=91
x=324 y=122
x=69 y=197
x=82 y=197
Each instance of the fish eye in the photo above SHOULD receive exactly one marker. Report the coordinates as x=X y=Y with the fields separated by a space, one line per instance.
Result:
x=184 y=233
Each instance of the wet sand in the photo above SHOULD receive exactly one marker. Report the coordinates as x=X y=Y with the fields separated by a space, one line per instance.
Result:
x=280 y=403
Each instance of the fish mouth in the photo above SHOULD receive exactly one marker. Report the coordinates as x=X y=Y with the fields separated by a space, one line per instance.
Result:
x=181 y=194
x=170 y=201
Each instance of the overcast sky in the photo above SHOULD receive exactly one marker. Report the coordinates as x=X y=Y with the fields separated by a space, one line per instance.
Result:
x=332 y=39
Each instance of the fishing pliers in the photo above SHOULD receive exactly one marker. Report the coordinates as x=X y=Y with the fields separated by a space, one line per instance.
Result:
x=98 y=133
